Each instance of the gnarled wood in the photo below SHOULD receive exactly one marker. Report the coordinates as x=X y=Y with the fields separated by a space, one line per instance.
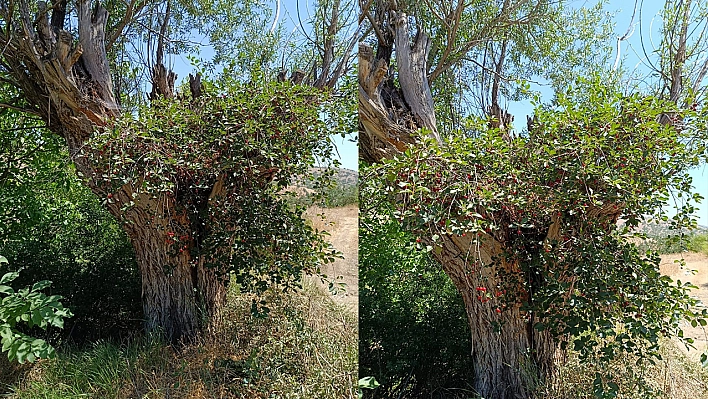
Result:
x=92 y=36
x=387 y=126
x=412 y=73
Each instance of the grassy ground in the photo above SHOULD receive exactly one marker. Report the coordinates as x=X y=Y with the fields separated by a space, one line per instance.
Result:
x=305 y=348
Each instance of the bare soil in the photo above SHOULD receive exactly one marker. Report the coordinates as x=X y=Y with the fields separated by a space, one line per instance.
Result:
x=342 y=224
x=696 y=272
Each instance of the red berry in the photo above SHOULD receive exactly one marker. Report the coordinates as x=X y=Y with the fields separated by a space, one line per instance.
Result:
x=497 y=310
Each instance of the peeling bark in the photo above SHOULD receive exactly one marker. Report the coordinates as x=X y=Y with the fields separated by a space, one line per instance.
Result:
x=412 y=73
x=388 y=127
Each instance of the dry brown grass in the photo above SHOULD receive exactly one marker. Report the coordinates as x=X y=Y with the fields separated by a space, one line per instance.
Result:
x=342 y=224
x=676 y=376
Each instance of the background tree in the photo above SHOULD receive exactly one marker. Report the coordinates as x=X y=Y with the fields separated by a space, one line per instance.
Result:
x=54 y=228
x=183 y=176
x=413 y=334
x=520 y=223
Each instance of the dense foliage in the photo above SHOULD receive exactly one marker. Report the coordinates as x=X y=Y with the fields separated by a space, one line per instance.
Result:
x=224 y=158
x=548 y=201
x=54 y=228
x=27 y=307
x=413 y=337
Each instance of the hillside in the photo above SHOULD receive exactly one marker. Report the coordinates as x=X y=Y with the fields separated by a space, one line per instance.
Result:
x=659 y=230
x=344 y=177
x=342 y=224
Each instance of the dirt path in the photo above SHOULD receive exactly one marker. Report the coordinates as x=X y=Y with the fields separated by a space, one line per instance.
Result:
x=699 y=263
x=343 y=226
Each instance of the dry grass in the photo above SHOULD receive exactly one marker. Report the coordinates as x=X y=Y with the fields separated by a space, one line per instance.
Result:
x=342 y=225
x=305 y=348
x=674 y=377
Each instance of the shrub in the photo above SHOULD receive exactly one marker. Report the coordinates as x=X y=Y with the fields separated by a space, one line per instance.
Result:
x=341 y=195
x=414 y=337
x=29 y=307
x=53 y=227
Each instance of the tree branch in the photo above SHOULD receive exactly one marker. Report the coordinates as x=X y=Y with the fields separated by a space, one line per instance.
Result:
x=133 y=8
x=20 y=109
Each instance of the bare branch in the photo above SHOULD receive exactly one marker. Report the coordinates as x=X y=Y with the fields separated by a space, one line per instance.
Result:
x=20 y=109
x=131 y=10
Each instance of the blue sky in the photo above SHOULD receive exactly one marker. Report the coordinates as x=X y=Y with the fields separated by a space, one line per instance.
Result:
x=632 y=58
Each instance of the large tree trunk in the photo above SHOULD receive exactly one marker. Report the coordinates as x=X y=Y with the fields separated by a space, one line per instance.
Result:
x=69 y=86
x=509 y=355
x=178 y=292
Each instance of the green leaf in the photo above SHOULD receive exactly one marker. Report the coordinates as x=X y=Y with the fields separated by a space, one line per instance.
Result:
x=40 y=285
x=9 y=277
x=368 y=383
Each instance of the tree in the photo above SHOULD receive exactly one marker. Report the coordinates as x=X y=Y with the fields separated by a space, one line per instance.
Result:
x=525 y=224
x=194 y=176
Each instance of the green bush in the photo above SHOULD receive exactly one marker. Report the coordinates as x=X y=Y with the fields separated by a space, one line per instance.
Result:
x=53 y=228
x=698 y=243
x=413 y=336
x=85 y=253
x=673 y=244
x=341 y=195
x=32 y=308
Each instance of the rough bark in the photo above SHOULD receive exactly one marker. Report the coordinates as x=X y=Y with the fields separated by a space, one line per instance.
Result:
x=412 y=74
x=387 y=126
x=510 y=357
x=70 y=87
x=178 y=292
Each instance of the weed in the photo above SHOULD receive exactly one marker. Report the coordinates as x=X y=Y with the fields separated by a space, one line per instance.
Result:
x=305 y=348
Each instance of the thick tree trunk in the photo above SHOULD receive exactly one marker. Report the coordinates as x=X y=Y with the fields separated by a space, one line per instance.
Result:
x=510 y=357
x=69 y=85
x=179 y=294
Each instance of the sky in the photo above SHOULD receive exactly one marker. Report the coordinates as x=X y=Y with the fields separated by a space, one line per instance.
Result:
x=346 y=149
x=632 y=57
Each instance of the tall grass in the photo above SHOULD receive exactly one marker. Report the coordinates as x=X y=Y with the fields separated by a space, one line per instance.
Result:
x=305 y=348
x=676 y=376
